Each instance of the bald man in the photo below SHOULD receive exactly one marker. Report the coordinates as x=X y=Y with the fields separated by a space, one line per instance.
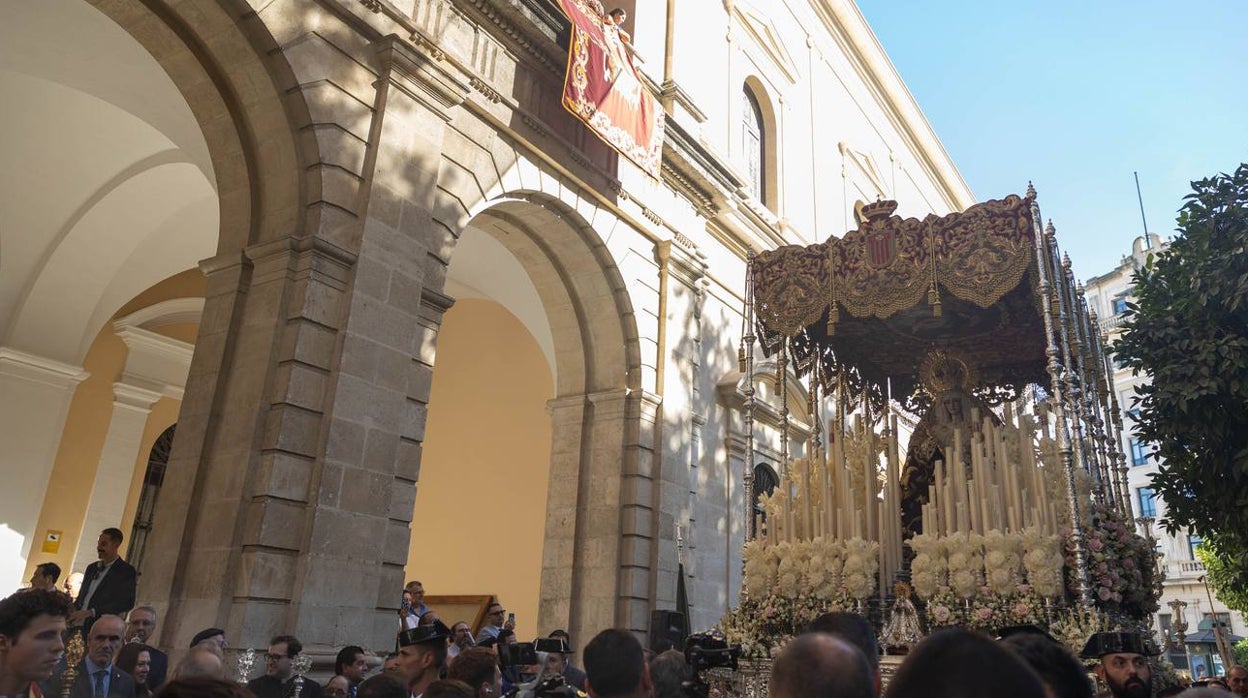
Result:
x=819 y=665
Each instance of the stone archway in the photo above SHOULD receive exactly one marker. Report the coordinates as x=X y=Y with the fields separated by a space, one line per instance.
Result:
x=594 y=416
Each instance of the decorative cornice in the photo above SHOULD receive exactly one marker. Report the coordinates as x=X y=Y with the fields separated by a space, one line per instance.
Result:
x=134 y=396
x=483 y=87
x=422 y=76
x=155 y=362
x=547 y=26
x=39 y=369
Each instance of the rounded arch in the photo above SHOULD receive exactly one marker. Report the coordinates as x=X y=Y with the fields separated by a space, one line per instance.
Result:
x=244 y=96
x=580 y=287
x=163 y=114
x=759 y=141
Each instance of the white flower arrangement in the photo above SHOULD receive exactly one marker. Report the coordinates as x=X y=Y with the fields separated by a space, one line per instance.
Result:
x=1002 y=562
x=862 y=564
x=965 y=561
x=928 y=570
x=1043 y=561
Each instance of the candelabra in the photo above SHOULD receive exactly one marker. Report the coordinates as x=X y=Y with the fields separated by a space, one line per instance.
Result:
x=74 y=650
x=246 y=660
x=1178 y=624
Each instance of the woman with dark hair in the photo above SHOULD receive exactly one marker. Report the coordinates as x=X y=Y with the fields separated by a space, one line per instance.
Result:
x=136 y=660
x=957 y=663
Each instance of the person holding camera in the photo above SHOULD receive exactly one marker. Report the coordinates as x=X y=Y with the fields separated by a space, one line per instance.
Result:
x=494 y=623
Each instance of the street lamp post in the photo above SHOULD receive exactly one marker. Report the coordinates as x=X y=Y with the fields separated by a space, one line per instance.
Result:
x=1178 y=624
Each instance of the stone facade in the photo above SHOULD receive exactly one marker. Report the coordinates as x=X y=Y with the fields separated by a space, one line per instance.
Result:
x=351 y=143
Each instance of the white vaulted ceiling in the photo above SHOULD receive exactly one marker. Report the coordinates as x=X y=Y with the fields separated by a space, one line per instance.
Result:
x=106 y=186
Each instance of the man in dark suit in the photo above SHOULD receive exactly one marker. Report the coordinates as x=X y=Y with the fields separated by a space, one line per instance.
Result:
x=97 y=676
x=109 y=585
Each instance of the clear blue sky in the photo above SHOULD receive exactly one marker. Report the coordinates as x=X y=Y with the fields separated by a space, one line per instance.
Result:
x=1074 y=96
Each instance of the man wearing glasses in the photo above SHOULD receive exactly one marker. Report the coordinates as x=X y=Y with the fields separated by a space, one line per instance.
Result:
x=280 y=679
x=494 y=623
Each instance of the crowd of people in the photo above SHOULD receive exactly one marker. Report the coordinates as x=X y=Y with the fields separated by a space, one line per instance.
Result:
x=837 y=658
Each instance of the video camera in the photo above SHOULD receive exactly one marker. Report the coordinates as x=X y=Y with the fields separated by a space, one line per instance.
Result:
x=707 y=651
x=525 y=653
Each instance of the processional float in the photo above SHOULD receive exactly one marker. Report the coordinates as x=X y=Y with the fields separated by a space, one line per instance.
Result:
x=1009 y=504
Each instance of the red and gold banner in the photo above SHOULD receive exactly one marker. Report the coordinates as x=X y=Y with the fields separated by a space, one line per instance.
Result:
x=603 y=89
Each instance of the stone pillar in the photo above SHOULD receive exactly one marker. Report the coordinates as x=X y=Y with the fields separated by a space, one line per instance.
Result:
x=305 y=406
x=156 y=367
x=681 y=270
x=567 y=422
x=113 y=475
x=34 y=399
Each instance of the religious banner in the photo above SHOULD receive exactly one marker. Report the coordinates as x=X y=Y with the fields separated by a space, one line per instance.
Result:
x=603 y=88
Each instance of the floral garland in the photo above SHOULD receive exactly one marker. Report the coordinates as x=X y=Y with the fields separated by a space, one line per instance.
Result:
x=1122 y=566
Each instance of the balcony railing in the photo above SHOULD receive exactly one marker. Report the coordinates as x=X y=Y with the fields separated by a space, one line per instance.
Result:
x=1112 y=322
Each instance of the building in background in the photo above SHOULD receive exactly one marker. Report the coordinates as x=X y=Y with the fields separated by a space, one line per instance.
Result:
x=412 y=320
x=1108 y=296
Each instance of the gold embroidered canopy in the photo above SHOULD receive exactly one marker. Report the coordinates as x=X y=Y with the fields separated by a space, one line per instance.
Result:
x=870 y=305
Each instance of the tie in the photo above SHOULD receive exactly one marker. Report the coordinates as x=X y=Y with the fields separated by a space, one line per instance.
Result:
x=99 y=683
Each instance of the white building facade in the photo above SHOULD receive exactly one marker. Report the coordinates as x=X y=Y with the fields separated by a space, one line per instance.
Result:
x=1108 y=295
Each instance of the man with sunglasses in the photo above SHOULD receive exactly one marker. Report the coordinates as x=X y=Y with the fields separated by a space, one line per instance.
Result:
x=280 y=679
x=495 y=617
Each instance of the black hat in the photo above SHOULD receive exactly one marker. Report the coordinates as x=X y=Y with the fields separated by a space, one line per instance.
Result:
x=205 y=634
x=419 y=635
x=1101 y=644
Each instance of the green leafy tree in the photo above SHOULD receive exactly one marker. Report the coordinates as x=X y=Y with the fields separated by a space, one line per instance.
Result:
x=1224 y=578
x=1188 y=331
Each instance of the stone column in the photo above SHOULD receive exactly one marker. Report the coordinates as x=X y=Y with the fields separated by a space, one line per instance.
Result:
x=156 y=367
x=305 y=406
x=567 y=422
x=34 y=399
x=113 y=475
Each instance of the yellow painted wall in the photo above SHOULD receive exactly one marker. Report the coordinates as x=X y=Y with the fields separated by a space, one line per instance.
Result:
x=86 y=425
x=480 y=513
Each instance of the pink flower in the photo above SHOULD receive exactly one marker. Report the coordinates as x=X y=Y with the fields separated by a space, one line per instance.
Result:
x=1104 y=594
x=940 y=613
x=1021 y=609
x=983 y=614
x=1096 y=544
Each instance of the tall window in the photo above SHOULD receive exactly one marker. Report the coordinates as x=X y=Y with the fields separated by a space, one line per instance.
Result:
x=1148 y=501
x=1139 y=454
x=754 y=144
x=153 y=478
x=1120 y=306
x=1193 y=541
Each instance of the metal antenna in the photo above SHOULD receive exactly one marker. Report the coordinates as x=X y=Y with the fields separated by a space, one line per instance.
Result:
x=1148 y=242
